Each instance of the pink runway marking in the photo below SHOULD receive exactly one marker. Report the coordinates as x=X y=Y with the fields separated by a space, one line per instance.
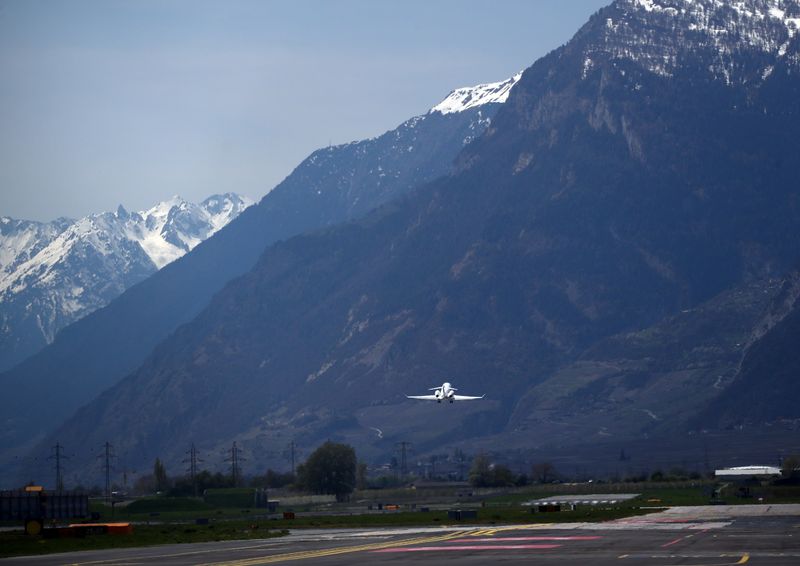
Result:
x=472 y=547
x=520 y=539
x=686 y=537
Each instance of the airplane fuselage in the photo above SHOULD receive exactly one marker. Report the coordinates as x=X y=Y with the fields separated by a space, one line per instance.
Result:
x=446 y=392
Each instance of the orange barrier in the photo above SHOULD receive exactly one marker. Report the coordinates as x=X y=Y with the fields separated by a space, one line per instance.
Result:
x=102 y=528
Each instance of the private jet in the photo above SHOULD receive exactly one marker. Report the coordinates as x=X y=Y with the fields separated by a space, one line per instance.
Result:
x=445 y=392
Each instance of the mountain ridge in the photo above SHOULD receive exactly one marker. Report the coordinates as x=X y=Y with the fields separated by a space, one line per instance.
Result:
x=598 y=204
x=330 y=186
x=58 y=272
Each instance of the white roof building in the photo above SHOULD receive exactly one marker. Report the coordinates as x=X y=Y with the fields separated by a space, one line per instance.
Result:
x=748 y=471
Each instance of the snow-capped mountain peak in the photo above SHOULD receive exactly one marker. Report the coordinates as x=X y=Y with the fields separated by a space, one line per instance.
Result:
x=469 y=97
x=53 y=273
x=175 y=226
x=717 y=31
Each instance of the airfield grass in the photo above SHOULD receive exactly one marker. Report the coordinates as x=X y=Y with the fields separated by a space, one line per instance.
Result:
x=17 y=543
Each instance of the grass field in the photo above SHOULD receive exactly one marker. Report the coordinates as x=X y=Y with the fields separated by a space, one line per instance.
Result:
x=17 y=543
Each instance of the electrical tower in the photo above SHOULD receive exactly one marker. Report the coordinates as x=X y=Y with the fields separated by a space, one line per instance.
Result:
x=57 y=456
x=403 y=457
x=108 y=455
x=193 y=461
x=235 y=459
x=460 y=461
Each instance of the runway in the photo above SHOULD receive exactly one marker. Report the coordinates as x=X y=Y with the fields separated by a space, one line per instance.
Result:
x=693 y=536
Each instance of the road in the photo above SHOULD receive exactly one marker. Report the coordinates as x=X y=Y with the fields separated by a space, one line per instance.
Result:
x=695 y=536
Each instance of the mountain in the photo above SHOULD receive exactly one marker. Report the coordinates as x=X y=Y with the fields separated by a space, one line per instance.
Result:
x=332 y=185
x=641 y=170
x=55 y=273
x=765 y=387
x=22 y=239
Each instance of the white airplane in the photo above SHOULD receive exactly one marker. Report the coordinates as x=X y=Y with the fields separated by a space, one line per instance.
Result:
x=446 y=392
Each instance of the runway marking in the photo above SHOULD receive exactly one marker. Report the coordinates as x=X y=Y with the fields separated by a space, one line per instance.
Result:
x=303 y=555
x=525 y=527
x=742 y=560
x=521 y=539
x=153 y=557
x=470 y=547
x=679 y=539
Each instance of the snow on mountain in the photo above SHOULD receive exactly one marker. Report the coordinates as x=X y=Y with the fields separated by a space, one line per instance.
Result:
x=470 y=97
x=165 y=232
x=173 y=227
x=719 y=30
x=355 y=176
x=22 y=239
x=52 y=274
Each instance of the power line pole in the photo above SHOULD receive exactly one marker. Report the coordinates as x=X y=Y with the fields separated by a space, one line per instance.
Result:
x=193 y=461
x=109 y=454
x=57 y=455
x=234 y=460
x=403 y=458
x=460 y=460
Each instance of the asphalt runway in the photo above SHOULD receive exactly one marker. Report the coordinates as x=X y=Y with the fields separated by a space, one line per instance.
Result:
x=687 y=536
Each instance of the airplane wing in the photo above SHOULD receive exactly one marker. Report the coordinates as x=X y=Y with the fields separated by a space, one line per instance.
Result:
x=466 y=397
x=423 y=397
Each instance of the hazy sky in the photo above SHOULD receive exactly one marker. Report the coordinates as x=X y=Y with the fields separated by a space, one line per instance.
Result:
x=113 y=102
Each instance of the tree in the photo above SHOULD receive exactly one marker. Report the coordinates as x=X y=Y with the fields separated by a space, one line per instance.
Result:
x=144 y=484
x=205 y=480
x=277 y=479
x=502 y=476
x=160 y=475
x=272 y=479
x=331 y=469
x=480 y=471
x=543 y=472
x=484 y=473
x=361 y=476
x=791 y=467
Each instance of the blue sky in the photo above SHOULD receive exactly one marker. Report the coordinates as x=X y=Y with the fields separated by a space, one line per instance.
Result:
x=113 y=102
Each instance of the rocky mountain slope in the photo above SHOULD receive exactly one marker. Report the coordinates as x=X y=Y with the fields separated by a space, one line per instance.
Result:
x=55 y=273
x=765 y=387
x=642 y=170
x=332 y=185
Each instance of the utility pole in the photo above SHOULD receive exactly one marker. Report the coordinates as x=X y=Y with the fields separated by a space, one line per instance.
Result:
x=109 y=454
x=460 y=460
x=193 y=461
x=403 y=457
x=57 y=455
x=234 y=460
